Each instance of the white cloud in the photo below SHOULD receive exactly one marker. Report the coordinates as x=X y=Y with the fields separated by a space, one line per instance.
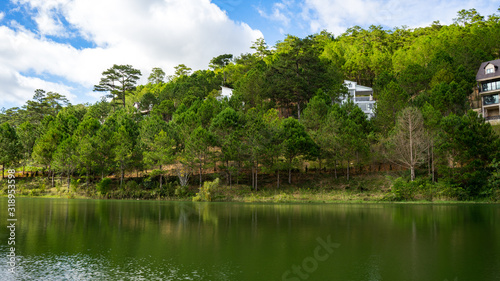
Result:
x=145 y=34
x=45 y=14
x=2 y=15
x=280 y=12
x=16 y=88
x=338 y=15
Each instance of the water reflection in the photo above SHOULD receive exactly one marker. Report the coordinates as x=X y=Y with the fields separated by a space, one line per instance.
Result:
x=135 y=240
x=86 y=267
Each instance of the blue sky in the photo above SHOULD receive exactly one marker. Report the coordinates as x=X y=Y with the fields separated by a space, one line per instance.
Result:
x=64 y=45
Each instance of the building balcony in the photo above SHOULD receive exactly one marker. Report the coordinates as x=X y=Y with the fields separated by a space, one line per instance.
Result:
x=490 y=87
x=492 y=118
x=358 y=99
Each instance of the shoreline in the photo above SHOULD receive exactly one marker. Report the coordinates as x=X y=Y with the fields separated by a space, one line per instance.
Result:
x=372 y=188
x=264 y=197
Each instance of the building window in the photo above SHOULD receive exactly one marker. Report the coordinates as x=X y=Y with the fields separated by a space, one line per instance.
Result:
x=491 y=86
x=490 y=70
x=493 y=99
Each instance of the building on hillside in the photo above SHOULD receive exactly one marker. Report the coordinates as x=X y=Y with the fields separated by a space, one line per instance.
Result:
x=225 y=92
x=137 y=106
x=488 y=84
x=362 y=96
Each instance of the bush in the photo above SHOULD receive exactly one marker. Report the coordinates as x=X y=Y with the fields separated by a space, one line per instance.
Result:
x=74 y=184
x=104 y=185
x=168 y=189
x=283 y=198
x=452 y=190
x=494 y=179
x=402 y=190
x=131 y=185
x=150 y=183
x=207 y=191
x=34 y=192
x=180 y=190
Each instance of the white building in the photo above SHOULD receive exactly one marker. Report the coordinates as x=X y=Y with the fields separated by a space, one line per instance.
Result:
x=225 y=92
x=362 y=96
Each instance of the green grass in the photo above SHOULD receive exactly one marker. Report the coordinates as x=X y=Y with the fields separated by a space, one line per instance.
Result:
x=313 y=188
x=496 y=129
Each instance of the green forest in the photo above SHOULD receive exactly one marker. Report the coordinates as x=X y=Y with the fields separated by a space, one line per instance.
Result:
x=284 y=118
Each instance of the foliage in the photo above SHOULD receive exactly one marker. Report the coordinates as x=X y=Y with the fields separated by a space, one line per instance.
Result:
x=157 y=76
x=296 y=142
x=207 y=191
x=10 y=146
x=104 y=186
x=118 y=80
x=408 y=141
x=470 y=145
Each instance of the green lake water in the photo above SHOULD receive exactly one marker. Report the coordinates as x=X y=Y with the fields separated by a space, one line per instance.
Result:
x=58 y=239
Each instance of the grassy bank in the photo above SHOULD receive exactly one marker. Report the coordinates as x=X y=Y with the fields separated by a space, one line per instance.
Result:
x=314 y=188
x=496 y=128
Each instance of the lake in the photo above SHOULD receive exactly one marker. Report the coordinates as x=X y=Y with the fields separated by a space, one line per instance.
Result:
x=59 y=239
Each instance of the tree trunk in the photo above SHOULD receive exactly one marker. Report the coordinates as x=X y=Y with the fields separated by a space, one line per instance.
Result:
x=319 y=160
x=335 y=168
x=69 y=179
x=161 y=178
x=3 y=171
x=429 y=161
x=253 y=178
x=289 y=175
x=412 y=167
x=358 y=164
x=238 y=172
x=348 y=169
x=230 y=175
x=87 y=180
x=432 y=163
x=200 y=173
x=257 y=177
x=227 y=172
x=52 y=179
x=298 y=110
x=278 y=172
x=121 y=175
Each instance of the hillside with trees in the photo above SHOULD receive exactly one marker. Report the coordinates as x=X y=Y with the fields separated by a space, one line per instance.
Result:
x=284 y=117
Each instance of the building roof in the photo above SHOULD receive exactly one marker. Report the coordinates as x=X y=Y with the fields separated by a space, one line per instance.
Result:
x=351 y=85
x=481 y=74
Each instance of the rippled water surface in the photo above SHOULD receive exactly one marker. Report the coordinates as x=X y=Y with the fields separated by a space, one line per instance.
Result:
x=58 y=239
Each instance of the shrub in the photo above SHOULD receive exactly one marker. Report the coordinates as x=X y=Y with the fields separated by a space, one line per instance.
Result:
x=150 y=183
x=180 y=190
x=283 y=198
x=494 y=179
x=104 y=185
x=168 y=189
x=207 y=191
x=402 y=190
x=131 y=185
x=452 y=190
x=74 y=184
